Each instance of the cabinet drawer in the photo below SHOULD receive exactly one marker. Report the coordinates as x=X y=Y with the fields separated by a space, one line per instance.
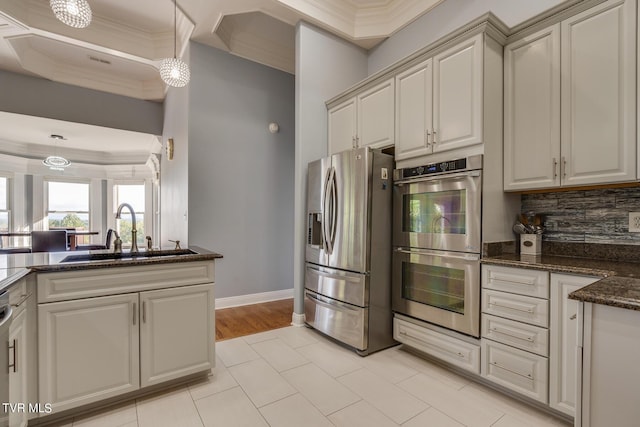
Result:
x=516 y=307
x=518 y=370
x=68 y=285
x=533 y=283
x=521 y=335
x=454 y=351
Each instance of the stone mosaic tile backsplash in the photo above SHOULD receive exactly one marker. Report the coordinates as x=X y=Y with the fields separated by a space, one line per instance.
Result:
x=586 y=216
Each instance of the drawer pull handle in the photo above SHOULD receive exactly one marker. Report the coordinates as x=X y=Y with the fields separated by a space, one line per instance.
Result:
x=528 y=376
x=455 y=353
x=514 y=335
x=524 y=310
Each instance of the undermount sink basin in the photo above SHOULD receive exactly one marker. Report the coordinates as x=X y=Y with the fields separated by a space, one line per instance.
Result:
x=126 y=255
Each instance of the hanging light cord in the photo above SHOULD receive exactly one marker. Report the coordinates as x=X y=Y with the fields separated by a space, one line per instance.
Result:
x=175 y=26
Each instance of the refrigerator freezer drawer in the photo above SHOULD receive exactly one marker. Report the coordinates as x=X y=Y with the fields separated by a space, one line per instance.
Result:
x=352 y=288
x=341 y=321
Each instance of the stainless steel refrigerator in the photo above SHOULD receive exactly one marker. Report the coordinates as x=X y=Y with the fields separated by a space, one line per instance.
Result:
x=348 y=250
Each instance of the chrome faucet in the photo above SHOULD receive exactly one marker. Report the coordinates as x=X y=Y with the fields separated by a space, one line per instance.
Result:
x=134 y=232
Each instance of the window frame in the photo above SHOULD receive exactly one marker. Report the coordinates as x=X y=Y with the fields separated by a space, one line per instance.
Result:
x=147 y=218
x=66 y=180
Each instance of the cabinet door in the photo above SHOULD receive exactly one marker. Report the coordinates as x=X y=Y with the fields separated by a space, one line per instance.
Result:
x=563 y=364
x=457 y=96
x=598 y=94
x=18 y=367
x=414 y=108
x=176 y=333
x=532 y=111
x=88 y=350
x=376 y=120
x=342 y=126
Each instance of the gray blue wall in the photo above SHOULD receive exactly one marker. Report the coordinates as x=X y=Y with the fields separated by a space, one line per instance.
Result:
x=39 y=97
x=241 y=179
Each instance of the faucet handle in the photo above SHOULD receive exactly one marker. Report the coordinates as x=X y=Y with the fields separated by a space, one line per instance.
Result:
x=177 y=242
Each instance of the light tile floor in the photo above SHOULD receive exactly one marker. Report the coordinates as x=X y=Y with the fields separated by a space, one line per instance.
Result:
x=296 y=377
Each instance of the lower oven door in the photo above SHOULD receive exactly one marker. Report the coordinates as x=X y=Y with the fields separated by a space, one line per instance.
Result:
x=344 y=322
x=438 y=287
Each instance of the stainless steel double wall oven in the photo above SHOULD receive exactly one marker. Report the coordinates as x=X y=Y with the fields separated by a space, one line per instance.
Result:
x=437 y=243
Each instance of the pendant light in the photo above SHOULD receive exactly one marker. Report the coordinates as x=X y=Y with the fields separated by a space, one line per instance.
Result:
x=74 y=13
x=55 y=162
x=174 y=71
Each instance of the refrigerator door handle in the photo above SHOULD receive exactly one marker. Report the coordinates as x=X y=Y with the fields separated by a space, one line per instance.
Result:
x=329 y=218
x=334 y=205
x=325 y=217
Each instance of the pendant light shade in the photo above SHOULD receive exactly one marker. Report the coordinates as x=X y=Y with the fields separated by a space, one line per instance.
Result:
x=56 y=162
x=173 y=71
x=74 y=13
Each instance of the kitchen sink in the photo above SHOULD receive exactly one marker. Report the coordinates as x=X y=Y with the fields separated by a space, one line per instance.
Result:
x=126 y=255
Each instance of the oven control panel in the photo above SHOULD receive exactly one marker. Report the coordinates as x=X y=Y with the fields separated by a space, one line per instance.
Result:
x=449 y=166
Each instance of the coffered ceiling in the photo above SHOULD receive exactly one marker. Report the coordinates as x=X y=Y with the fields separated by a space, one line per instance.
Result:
x=121 y=49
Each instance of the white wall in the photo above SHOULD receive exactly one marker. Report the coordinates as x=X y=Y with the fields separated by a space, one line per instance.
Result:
x=240 y=175
x=174 y=174
x=325 y=66
x=447 y=17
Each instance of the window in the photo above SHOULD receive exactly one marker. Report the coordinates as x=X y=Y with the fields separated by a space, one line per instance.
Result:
x=4 y=204
x=134 y=195
x=67 y=205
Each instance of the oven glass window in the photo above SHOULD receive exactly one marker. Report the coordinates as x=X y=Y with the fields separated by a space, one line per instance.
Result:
x=438 y=212
x=439 y=287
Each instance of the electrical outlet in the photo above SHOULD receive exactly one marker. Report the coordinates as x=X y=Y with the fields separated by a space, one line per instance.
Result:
x=634 y=222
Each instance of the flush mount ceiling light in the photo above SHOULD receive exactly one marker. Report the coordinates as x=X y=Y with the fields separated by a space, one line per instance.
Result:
x=56 y=162
x=174 y=71
x=74 y=13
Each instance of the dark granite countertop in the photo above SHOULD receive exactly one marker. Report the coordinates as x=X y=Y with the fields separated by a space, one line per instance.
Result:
x=619 y=286
x=15 y=266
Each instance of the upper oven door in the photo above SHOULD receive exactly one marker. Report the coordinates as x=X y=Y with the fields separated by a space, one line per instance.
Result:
x=439 y=212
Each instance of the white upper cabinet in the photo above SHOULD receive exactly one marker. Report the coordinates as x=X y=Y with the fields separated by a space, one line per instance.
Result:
x=532 y=111
x=457 y=96
x=414 y=111
x=342 y=126
x=599 y=95
x=375 y=108
x=570 y=112
x=364 y=120
x=439 y=102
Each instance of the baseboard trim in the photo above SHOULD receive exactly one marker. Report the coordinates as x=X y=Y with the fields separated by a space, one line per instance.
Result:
x=297 y=319
x=253 y=298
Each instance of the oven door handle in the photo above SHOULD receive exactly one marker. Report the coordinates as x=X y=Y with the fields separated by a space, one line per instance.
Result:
x=466 y=257
x=441 y=177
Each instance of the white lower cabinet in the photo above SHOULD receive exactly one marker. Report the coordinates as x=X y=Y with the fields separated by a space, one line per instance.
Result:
x=175 y=333
x=463 y=353
x=88 y=350
x=518 y=370
x=22 y=352
x=515 y=334
x=563 y=363
x=91 y=349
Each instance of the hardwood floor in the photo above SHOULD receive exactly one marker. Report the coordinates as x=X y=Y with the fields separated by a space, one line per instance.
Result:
x=250 y=319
